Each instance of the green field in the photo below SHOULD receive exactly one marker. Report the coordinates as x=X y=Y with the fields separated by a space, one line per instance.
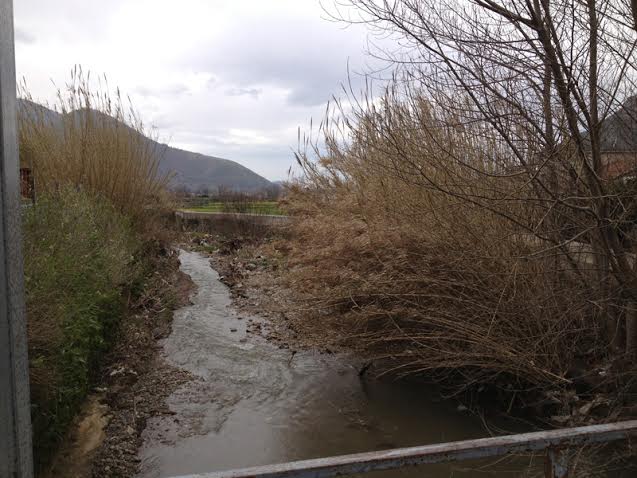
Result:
x=248 y=207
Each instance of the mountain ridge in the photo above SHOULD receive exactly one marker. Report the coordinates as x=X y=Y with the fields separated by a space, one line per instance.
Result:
x=190 y=170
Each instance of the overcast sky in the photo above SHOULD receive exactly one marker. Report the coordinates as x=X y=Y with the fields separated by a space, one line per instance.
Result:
x=228 y=78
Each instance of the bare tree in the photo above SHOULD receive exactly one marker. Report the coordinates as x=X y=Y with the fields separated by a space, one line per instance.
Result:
x=536 y=80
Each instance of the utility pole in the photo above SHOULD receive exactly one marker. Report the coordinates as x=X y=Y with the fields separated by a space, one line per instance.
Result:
x=15 y=421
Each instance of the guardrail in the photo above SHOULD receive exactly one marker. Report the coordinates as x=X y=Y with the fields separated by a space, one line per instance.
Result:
x=554 y=442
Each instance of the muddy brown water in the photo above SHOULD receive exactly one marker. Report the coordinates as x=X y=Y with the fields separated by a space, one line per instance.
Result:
x=254 y=404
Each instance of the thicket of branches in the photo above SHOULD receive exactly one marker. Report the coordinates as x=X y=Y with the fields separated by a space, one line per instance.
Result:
x=421 y=278
x=464 y=221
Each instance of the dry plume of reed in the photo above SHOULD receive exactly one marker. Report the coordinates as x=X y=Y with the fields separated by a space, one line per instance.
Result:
x=94 y=143
x=426 y=263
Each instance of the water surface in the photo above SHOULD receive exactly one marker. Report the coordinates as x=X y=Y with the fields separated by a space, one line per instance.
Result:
x=254 y=404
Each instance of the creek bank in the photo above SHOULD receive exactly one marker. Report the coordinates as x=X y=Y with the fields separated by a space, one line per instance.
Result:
x=252 y=268
x=255 y=401
x=104 y=438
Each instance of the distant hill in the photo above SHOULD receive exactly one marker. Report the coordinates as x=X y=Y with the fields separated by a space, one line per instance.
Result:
x=192 y=171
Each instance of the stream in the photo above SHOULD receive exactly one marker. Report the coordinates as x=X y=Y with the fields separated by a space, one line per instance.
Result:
x=254 y=404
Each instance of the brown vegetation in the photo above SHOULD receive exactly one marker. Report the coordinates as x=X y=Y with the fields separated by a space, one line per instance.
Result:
x=429 y=281
x=459 y=225
x=93 y=141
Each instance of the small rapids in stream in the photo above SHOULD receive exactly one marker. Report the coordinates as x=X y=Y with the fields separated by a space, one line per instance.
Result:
x=251 y=403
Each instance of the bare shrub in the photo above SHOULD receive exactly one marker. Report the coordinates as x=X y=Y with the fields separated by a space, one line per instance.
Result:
x=432 y=265
x=469 y=220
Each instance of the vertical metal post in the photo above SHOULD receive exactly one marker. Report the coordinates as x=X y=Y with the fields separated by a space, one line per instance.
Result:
x=15 y=421
x=556 y=463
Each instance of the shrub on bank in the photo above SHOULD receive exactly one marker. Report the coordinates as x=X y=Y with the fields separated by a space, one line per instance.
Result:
x=78 y=257
x=417 y=246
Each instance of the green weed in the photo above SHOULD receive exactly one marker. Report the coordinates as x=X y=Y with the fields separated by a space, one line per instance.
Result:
x=79 y=254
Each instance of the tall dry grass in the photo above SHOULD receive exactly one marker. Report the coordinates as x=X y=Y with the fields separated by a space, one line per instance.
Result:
x=91 y=140
x=416 y=243
x=90 y=236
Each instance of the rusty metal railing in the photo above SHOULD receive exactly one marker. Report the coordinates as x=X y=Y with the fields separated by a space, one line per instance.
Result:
x=554 y=442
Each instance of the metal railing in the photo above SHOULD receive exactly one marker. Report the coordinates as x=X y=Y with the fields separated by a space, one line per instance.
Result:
x=554 y=442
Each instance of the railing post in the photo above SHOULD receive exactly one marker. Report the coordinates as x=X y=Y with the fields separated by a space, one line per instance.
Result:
x=15 y=422
x=556 y=463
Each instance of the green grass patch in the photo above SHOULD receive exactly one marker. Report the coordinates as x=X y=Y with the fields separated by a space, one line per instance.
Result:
x=79 y=255
x=248 y=207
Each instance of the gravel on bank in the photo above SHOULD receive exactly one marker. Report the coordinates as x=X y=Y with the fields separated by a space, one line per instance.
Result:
x=135 y=381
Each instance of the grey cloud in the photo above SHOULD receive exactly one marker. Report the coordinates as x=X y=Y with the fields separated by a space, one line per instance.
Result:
x=294 y=55
x=253 y=92
x=164 y=122
x=23 y=36
x=65 y=20
x=144 y=91
x=312 y=94
x=282 y=53
x=170 y=90
x=309 y=83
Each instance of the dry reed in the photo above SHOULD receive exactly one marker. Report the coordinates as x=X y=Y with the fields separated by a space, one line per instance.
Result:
x=91 y=140
x=426 y=263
